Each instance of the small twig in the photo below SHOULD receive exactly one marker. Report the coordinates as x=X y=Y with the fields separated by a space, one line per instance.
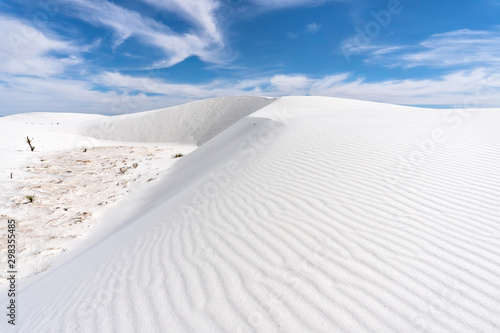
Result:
x=29 y=142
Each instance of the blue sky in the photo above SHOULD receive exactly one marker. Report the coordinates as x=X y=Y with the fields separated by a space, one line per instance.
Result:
x=114 y=57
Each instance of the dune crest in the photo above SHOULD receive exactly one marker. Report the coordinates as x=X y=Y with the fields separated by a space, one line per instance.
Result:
x=192 y=123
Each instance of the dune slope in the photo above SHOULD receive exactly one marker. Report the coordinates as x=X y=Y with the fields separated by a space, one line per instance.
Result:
x=192 y=123
x=309 y=215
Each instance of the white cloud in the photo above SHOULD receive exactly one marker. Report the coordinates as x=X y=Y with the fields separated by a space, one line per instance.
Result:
x=313 y=28
x=132 y=94
x=290 y=84
x=150 y=85
x=36 y=94
x=30 y=76
x=198 y=12
x=351 y=46
x=126 y=23
x=290 y=3
x=26 y=51
x=456 y=48
x=72 y=60
x=451 y=89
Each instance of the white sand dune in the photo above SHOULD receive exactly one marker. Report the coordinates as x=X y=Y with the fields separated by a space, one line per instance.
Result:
x=192 y=123
x=307 y=215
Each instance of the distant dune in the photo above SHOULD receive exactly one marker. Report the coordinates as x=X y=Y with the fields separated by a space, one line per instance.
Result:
x=296 y=214
x=193 y=123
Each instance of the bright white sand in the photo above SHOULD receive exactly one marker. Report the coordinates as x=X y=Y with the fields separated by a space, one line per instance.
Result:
x=310 y=214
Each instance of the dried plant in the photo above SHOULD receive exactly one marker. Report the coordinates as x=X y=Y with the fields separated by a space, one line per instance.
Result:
x=29 y=143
